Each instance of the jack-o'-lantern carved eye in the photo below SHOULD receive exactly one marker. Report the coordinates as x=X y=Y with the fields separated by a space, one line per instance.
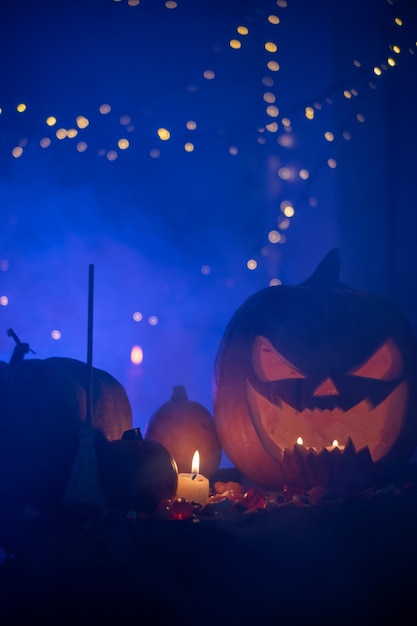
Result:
x=385 y=364
x=268 y=364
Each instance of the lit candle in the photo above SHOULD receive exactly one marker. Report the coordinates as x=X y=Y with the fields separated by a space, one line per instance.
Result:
x=335 y=444
x=300 y=442
x=193 y=487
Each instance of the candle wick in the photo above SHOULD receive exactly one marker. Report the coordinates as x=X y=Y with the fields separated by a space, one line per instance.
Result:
x=194 y=477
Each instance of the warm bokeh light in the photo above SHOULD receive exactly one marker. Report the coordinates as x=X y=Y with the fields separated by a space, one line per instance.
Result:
x=273 y=19
x=272 y=111
x=269 y=97
x=104 y=109
x=289 y=211
x=81 y=121
x=272 y=127
x=284 y=173
x=136 y=355
x=163 y=134
x=273 y=66
x=274 y=236
x=270 y=46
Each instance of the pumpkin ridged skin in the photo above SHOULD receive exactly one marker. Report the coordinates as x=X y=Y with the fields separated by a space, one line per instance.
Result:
x=326 y=329
x=111 y=409
x=184 y=426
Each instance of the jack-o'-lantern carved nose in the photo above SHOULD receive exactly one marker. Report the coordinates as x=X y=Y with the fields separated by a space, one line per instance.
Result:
x=326 y=388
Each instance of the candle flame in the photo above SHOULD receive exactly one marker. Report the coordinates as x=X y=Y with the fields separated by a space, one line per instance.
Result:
x=335 y=443
x=195 y=464
x=300 y=441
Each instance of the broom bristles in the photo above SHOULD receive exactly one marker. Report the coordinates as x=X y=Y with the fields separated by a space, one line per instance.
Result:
x=84 y=485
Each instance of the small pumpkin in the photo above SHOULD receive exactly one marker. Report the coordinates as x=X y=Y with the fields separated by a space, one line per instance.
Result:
x=184 y=426
x=320 y=361
x=137 y=473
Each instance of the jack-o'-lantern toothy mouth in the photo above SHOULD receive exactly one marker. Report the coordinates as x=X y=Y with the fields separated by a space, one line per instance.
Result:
x=375 y=427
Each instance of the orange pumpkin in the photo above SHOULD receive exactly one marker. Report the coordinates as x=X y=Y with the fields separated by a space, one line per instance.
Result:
x=184 y=426
x=320 y=361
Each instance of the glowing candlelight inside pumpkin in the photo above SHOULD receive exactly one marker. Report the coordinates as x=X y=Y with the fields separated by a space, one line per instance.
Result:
x=335 y=444
x=193 y=487
x=300 y=441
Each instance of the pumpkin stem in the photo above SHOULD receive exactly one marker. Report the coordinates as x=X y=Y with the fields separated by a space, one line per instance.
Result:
x=327 y=272
x=179 y=394
x=134 y=434
x=20 y=348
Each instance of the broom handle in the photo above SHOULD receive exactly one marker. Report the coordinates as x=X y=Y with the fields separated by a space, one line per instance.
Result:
x=90 y=345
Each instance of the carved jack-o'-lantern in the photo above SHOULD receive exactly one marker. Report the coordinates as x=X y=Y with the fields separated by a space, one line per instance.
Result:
x=318 y=361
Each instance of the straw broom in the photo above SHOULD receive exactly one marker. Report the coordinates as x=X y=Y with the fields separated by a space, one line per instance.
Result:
x=84 y=485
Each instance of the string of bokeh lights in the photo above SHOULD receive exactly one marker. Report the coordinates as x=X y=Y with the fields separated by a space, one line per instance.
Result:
x=276 y=131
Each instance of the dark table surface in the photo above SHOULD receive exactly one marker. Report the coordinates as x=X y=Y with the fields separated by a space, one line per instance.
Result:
x=348 y=562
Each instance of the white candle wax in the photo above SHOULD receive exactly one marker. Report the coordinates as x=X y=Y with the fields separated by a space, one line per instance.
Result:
x=193 y=487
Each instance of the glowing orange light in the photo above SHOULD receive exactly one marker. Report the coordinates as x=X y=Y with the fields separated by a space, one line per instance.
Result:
x=195 y=463
x=136 y=355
